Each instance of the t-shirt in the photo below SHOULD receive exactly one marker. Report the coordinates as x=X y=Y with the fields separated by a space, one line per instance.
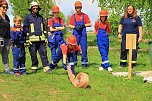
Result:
x=66 y=50
x=102 y=26
x=5 y=27
x=79 y=17
x=56 y=20
x=130 y=25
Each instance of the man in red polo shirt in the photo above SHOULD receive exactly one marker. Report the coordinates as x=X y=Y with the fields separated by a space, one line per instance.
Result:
x=78 y=22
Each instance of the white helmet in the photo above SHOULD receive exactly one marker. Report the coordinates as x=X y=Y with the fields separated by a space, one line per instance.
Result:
x=33 y=3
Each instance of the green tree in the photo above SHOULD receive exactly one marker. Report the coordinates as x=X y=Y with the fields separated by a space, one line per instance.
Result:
x=116 y=9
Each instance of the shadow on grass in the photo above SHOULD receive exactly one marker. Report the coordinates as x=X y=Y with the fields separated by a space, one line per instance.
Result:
x=92 y=42
x=31 y=72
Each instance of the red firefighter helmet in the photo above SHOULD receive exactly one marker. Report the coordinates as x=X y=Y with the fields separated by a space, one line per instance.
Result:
x=55 y=9
x=72 y=40
x=103 y=13
x=78 y=3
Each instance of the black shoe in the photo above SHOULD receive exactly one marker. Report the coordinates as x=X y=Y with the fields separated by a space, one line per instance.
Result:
x=133 y=65
x=123 y=64
x=56 y=67
x=75 y=64
x=52 y=66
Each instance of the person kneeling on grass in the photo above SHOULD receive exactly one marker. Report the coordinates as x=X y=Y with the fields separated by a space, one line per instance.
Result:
x=66 y=51
x=102 y=28
x=18 y=50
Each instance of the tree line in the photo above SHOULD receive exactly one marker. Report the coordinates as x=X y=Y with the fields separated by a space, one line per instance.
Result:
x=115 y=8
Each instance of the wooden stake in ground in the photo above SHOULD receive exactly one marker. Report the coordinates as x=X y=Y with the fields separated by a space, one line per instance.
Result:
x=130 y=44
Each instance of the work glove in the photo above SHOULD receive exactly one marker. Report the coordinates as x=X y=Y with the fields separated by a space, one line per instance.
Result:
x=79 y=27
x=27 y=43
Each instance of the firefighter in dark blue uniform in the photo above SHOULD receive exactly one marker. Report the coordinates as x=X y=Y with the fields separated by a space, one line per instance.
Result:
x=34 y=27
x=56 y=25
x=129 y=23
x=78 y=22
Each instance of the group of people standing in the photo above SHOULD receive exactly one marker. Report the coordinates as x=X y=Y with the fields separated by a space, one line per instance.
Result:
x=34 y=34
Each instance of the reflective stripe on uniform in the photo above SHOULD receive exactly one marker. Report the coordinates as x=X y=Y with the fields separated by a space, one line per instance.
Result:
x=133 y=61
x=84 y=63
x=32 y=27
x=16 y=69
x=41 y=26
x=107 y=61
x=71 y=63
x=37 y=38
x=22 y=68
x=34 y=67
x=123 y=60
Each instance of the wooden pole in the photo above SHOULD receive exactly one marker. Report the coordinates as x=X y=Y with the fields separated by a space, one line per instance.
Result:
x=130 y=44
x=130 y=63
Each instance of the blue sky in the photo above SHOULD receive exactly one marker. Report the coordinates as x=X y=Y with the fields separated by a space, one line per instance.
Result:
x=67 y=6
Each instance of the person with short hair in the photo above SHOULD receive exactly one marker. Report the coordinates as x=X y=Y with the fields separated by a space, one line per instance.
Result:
x=18 y=50
x=130 y=23
x=5 y=37
x=56 y=26
x=78 y=22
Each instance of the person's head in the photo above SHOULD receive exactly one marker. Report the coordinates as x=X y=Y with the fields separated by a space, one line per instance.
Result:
x=71 y=42
x=34 y=7
x=3 y=6
x=78 y=6
x=17 y=21
x=103 y=15
x=55 y=11
x=130 y=11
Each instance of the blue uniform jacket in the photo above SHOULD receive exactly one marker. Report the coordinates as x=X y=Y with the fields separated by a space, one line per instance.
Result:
x=36 y=21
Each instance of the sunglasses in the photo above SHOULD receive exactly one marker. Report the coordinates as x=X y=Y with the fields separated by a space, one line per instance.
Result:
x=5 y=7
x=78 y=7
x=35 y=8
x=55 y=12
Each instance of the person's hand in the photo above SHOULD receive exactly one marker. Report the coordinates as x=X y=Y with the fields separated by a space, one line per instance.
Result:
x=18 y=29
x=79 y=27
x=139 y=39
x=119 y=36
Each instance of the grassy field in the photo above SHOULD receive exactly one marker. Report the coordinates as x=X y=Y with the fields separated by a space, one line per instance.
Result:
x=103 y=86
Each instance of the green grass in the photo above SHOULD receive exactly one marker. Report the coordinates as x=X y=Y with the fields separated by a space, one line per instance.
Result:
x=103 y=86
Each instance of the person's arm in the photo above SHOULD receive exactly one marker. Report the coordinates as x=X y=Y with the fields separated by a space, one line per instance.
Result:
x=87 y=21
x=63 y=25
x=64 y=52
x=26 y=25
x=108 y=28
x=96 y=28
x=71 y=22
x=119 y=31
x=88 y=24
x=139 y=23
x=140 y=34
